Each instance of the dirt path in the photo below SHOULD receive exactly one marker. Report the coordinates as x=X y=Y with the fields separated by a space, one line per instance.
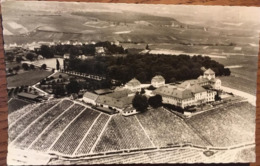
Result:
x=251 y=98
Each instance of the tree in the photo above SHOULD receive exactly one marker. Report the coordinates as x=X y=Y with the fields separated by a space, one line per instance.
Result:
x=217 y=97
x=30 y=56
x=147 y=47
x=10 y=58
x=57 y=64
x=10 y=70
x=59 y=90
x=73 y=87
x=140 y=102
x=44 y=66
x=16 y=68
x=25 y=66
x=18 y=59
x=32 y=67
x=46 y=51
x=155 y=101
x=227 y=72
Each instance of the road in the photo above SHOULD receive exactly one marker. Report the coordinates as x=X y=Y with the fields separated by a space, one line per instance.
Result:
x=251 y=98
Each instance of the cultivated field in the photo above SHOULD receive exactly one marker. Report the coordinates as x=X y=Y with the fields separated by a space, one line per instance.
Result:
x=227 y=126
x=63 y=127
x=243 y=78
x=123 y=133
x=166 y=128
x=27 y=78
x=15 y=104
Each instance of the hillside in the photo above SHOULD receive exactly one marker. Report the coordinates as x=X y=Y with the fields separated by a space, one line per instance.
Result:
x=68 y=128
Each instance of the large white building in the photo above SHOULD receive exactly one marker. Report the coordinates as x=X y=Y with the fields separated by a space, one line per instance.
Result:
x=191 y=92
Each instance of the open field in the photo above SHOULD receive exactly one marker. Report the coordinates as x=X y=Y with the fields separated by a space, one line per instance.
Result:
x=243 y=78
x=27 y=78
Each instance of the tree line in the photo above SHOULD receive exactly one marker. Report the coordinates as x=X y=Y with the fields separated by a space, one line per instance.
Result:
x=76 y=50
x=145 y=67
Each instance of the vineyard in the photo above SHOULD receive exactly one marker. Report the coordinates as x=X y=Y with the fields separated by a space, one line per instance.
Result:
x=165 y=128
x=72 y=136
x=226 y=126
x=123 y=133
x=27 y=119
x=92 y=137
x=181 y=155
x=30 y=134
x=70 y=129
x=15 y=104
x=47 y=137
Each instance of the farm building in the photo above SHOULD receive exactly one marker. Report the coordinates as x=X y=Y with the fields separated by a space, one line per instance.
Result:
x=118 y=100
x=28 y=96
x=133 y=85
x=100 y=50
x=158 y=81
x=89 y=97
x=66 y=56
x=129 y=111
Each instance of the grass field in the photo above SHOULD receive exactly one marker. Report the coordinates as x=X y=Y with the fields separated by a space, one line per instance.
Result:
x=27 y=78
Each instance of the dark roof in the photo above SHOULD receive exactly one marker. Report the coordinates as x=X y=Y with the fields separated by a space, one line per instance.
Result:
x=103 y=91
x=196 y=88
x=27 y=95
x=120 y=94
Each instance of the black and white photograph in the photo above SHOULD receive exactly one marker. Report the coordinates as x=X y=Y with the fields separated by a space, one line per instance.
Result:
x=120 y=83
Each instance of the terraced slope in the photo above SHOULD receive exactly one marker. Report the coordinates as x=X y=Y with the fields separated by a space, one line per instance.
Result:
x=71 y=129
x=166 y=128
x=226 y=126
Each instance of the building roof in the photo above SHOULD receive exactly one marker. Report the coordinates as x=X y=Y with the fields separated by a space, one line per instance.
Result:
x=174 y=92
x=158 y=78
x=120 y=94
x=209 y=71
x=91 y=96
x=133 y=82
x=27 y=95
x=113 y=102
x=103 y=91
x=197 y=89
